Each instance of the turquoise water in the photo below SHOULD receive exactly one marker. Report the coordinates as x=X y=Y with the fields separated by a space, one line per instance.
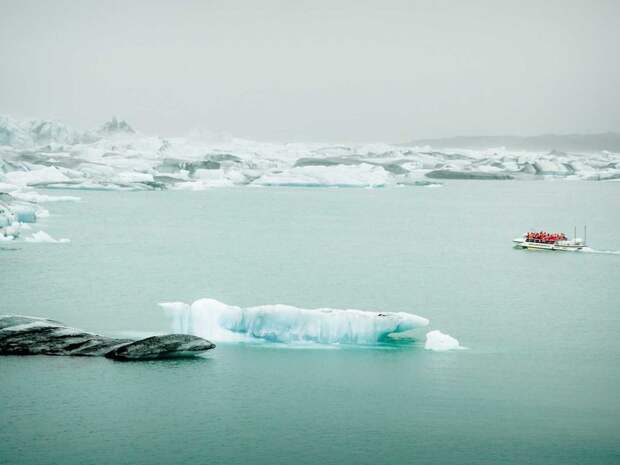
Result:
x=539 y=382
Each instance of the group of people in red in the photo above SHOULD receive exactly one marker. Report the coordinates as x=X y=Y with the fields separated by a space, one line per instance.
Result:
x=544 y=237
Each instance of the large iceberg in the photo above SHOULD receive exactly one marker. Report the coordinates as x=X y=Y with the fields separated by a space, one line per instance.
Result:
x=220 y=322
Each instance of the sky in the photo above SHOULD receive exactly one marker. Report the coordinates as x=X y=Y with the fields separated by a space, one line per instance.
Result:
x=354 y=71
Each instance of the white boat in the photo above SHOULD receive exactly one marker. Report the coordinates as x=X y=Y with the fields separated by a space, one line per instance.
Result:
x=567 y=245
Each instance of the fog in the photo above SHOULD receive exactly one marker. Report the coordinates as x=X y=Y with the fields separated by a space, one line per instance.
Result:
x=315 y=71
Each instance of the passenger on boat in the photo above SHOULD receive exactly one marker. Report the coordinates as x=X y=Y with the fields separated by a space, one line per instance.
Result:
x=544 y=237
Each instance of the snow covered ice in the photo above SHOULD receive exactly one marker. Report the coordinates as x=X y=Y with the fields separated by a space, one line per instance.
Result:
x=220 y=322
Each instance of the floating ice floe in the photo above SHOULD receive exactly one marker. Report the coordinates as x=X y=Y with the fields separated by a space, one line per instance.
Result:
x=42 y=236
x=35 y=197
x=35 y=176
x=24 y=213
x=217 y=321
x=440 y=342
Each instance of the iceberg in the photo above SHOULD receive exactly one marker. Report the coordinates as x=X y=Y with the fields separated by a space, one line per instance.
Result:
x=363 y=175
x=24 y=213
x=114 y=126
x=33 y=132
x=132 y=177
x=38 y=176
x=220 y=322
x=11 y=231
x=9 y=224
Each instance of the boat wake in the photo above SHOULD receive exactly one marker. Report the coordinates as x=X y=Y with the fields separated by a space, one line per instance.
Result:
x=604 y=252
x=287 y=324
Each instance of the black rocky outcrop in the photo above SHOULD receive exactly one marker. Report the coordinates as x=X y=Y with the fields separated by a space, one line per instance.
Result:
x=24 y=335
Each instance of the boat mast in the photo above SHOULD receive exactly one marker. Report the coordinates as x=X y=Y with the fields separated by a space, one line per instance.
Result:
x=584 y=234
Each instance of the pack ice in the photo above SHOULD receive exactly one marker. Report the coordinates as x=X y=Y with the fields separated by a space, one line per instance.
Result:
x=40 y=153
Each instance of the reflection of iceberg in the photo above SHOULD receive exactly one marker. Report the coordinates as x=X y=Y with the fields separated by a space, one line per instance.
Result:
x=285 y=323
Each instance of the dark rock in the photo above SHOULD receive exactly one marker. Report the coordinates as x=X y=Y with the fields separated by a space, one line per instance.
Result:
x=168 y=346
x=23 y=335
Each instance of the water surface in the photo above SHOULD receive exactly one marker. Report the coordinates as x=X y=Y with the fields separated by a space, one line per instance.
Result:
x=538 y=384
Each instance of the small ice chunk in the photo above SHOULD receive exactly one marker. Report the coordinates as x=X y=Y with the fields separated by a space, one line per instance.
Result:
x=42 y=236
x=25 y=213
x=440 y=342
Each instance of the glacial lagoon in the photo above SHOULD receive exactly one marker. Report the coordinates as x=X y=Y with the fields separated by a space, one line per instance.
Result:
x=537 y=381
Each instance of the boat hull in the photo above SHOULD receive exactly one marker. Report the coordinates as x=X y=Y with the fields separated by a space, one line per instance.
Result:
x=566 y=247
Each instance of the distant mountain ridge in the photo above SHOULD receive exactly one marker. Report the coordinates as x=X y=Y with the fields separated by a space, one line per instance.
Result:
x=563 y=142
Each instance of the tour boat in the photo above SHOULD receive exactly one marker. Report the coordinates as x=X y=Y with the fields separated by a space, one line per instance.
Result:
x=549 y=241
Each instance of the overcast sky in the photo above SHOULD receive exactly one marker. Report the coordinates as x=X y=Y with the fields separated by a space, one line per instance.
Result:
x=302 y=71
